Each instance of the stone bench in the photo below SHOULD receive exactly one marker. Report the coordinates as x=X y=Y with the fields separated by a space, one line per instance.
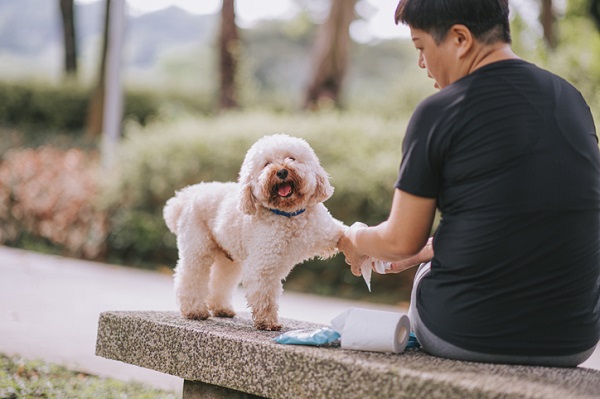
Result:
x=228 y=358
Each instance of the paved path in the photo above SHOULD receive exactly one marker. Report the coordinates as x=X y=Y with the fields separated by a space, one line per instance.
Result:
x=49 y=309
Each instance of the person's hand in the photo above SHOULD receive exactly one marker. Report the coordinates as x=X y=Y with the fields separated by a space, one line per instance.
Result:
x=425 y=255
x=400 y=266
x=347 y=247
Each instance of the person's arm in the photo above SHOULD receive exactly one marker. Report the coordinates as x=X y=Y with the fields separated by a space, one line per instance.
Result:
x=399 y=238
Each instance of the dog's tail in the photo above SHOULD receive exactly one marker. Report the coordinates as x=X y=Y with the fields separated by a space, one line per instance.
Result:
x=172 y=212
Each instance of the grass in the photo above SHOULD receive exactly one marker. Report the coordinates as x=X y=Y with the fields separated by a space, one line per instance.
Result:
x=26 y=379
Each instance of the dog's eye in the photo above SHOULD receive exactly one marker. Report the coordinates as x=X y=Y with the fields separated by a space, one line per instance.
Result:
x=290 y=158
x=267 y=164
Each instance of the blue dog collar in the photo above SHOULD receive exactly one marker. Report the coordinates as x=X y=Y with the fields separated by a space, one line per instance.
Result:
x=287 y=214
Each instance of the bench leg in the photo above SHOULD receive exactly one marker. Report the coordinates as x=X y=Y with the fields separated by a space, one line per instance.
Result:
x=202 y=390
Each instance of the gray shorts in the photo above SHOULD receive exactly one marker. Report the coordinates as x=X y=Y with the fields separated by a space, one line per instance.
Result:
x=436 y=346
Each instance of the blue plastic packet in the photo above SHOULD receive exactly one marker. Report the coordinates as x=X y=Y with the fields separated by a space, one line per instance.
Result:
x=320 y=336
x=412 y=341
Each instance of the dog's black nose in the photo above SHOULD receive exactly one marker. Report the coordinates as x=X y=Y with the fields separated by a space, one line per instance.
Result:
x=282 y=173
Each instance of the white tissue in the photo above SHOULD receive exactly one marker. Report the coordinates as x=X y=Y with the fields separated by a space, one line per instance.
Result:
x=382 y=267
x=372 y=330
x=366 y=269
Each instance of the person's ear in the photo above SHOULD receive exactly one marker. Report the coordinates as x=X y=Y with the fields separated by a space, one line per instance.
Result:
x=462 y=38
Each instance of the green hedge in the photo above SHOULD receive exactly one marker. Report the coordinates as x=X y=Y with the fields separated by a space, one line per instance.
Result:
x=361 y=154
x=62 y=108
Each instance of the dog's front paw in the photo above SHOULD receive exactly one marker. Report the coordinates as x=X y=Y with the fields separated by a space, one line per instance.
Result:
x=329 y=252
x=267 y=326
x=198 y=315
x=223 y=313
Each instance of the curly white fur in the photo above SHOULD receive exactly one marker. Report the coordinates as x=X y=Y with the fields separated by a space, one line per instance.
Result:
x=227 y=233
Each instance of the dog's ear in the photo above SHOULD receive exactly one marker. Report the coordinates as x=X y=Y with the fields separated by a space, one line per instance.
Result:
x=323 y=190
x=247 y=201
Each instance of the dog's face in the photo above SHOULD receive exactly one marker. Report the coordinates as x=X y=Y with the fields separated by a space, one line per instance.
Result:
x=282 y=172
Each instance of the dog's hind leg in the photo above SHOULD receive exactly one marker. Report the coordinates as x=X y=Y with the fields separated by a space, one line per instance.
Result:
x=191 y=286
x=225 y=277
x=196 y=255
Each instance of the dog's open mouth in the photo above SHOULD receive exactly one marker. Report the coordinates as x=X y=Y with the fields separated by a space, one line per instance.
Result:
x=285 y=189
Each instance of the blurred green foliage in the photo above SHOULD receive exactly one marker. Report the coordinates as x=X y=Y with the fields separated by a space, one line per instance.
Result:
x=360 y=152
x=577 y=56
x=53 y=108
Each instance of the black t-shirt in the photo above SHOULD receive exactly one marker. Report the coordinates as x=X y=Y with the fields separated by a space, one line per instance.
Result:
x=510 y=153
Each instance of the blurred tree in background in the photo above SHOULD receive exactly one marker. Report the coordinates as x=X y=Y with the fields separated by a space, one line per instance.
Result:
x=68 y=21
x=229 y=43
x=96 y=104
x=595 y=12
x=548 y=22
x=330 y=56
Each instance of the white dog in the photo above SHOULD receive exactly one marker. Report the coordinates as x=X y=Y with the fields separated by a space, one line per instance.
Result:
x=254 y=231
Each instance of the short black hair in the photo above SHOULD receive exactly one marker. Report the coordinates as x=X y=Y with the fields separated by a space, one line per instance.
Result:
x=486 y=19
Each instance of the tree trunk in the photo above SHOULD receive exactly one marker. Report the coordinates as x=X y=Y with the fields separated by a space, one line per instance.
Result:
x=96 y=105
x=68 y=19
x=229 y=50
x=113 y=92
x=330 y=56
x=548 y=21
x=595 y=12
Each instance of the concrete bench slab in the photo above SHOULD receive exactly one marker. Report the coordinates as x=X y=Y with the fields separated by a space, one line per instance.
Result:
x=229 y=358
